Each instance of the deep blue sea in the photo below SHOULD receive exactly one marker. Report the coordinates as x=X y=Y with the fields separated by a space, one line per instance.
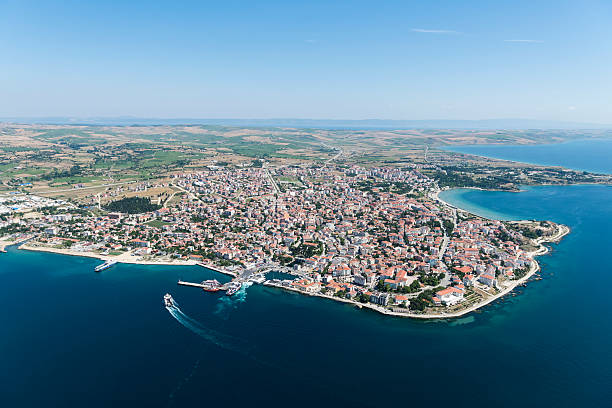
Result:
x=587 y=155
x=72 y=338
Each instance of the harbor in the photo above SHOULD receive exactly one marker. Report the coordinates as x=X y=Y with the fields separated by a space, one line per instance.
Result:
x=253 y=274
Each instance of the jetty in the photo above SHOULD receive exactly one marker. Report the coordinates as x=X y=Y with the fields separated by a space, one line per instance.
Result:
x=196 y=285
x=254 y=273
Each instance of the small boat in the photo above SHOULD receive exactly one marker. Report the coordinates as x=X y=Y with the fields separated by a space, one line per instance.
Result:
x=168 y=300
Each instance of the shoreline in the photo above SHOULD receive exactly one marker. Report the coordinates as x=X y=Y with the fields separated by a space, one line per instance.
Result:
x=129 y=259
x=449 y=149
x=436 y=196
x=6 y=243
x=542 y=250
x=126 y=258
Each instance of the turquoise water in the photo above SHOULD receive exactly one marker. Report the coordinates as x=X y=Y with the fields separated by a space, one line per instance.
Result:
x=585 y=155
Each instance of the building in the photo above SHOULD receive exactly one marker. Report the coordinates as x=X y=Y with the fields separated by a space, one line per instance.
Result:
x=450 y=296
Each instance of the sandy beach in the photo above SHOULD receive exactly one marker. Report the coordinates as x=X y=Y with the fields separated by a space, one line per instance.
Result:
x=126 y=257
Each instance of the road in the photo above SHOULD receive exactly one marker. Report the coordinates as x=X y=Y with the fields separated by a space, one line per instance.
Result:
x=189 y=193
x=443 y=247
x=272 y=180
x=246 y=274
x=339 y=150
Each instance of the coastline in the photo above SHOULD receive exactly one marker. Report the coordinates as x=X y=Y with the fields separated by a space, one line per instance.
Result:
x=535 y=267
x=6 y=243
x=436 y=196
x=521 y=162
x=128 y=258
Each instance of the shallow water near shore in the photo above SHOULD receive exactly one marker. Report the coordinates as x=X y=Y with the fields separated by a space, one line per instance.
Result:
x=71 y=337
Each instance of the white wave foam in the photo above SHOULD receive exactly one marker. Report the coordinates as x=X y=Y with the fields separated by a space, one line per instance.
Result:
x=219 y=339
x=228 y=303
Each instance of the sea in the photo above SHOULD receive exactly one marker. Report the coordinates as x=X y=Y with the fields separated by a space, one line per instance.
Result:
x=591 y=155
x=70 y=337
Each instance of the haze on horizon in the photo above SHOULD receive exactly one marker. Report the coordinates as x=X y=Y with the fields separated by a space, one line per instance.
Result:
x=271 y=59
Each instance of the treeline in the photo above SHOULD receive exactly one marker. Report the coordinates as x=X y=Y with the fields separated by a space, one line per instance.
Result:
x=454 y=179
x=74 y=171
x=132 y=205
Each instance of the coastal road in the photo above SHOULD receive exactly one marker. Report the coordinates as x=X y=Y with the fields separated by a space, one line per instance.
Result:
x=246 y=274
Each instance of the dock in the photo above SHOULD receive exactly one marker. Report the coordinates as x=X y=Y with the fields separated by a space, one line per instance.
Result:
x=196 y=285
x=217 y=269
x=254 y=274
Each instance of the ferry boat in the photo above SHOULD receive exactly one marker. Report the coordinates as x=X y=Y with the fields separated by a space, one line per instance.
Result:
x=211 y=285
x=232 y=288
x=104 y=266
x=168 y=301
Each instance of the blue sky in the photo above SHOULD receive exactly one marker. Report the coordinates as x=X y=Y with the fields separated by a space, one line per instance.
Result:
x=316 y=59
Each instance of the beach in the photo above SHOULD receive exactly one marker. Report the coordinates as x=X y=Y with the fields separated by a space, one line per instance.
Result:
x=129 y=258
x=126 y=257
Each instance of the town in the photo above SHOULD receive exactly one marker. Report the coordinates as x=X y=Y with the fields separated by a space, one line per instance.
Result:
x=376 y=237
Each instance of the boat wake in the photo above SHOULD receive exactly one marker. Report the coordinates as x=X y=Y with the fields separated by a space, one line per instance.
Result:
x=228 y=303
x=183 y=382
x=219 y=339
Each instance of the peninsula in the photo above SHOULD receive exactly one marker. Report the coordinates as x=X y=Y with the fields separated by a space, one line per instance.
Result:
x=372 y=234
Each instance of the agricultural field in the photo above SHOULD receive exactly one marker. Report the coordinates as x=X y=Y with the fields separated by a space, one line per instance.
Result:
x=76 y=162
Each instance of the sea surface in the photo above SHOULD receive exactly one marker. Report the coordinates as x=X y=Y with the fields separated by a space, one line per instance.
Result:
x=591 y=155
x=70 y=337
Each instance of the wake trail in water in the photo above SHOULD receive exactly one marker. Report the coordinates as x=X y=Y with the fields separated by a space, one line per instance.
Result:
x=219 y=339
x=228 y=303
x=182 y=382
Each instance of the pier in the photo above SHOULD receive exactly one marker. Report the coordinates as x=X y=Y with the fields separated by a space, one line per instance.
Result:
x=196 y=285
x=247 y=275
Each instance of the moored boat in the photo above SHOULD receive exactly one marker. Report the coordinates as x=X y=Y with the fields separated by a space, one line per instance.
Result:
x=232 y=288
x=211 y=285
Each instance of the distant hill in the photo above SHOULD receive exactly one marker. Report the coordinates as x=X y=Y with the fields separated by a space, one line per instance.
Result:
x=320 y=123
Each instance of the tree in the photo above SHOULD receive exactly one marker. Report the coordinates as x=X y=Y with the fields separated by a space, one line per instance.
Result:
x=132 y=205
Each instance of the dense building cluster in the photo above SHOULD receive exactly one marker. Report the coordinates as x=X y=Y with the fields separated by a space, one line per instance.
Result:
x=373 y=235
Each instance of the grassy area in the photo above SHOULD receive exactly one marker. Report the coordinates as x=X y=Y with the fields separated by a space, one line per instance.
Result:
x=73 y=180
x=157 y=223
x=115 y=164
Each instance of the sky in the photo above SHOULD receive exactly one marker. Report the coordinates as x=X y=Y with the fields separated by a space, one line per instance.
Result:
x=411 y=60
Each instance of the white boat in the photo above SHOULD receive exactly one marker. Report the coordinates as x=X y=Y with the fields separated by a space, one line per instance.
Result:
x=211 y=285
x=168 y=300
x=232 y=288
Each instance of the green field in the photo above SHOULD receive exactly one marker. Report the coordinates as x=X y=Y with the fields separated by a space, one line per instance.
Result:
x=157 y=223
